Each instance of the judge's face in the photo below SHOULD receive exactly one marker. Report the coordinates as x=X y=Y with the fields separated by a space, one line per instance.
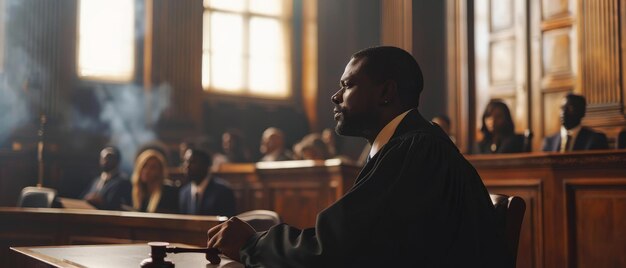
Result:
x=356 y=102
x=152 y=171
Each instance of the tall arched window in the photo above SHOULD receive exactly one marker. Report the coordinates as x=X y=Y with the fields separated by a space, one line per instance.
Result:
x=246 y=47
x=106 y=40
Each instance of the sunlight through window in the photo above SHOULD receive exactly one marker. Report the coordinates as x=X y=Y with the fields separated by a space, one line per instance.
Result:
x=106 y=47
x=246 y=47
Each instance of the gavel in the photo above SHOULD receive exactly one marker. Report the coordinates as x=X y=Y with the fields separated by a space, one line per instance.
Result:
x=159 y=250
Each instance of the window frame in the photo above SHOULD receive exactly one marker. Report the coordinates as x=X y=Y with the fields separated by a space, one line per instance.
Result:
x=135 y=58
x=244 y=94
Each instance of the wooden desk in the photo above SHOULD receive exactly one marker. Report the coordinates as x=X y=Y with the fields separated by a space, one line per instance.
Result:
x=118 y=256
x=50 y=226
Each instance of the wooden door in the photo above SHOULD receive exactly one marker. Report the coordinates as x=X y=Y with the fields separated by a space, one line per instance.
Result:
x=501 y=56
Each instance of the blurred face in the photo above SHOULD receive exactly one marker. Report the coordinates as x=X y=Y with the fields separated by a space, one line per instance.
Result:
x=152 y=171
x=327 y=136
x=570 y=114
x=194 y=167
x=271 y=143
x=495 y=121
x=227 y=142
x=108 y=160
x=356 y=102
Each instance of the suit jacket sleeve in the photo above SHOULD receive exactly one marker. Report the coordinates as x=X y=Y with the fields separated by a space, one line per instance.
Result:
x=417 y=201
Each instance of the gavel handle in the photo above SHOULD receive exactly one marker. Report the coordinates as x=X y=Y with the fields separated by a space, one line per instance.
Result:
x=210 y=253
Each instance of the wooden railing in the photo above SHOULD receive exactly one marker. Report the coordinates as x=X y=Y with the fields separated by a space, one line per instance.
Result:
x=575 y=205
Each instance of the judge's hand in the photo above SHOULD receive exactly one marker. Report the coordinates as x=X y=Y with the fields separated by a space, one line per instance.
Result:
x=229 y=237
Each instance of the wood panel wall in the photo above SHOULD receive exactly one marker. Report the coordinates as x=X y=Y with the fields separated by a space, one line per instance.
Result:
x=176 y=59
x=574 y=205
x=531 y=53
x=39 y=60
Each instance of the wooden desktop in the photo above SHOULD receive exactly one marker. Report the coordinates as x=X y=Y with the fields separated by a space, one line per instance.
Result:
x=118 y=256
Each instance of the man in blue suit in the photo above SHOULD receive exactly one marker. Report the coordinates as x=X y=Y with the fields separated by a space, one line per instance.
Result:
x=573 y=136
x=205 y=194
x=112 y=188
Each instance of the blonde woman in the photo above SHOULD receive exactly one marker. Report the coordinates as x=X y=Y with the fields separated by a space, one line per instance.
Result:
x=150 y=193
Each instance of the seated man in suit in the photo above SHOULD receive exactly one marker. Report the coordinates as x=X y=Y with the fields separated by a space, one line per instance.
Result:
x=112 y=188
x=416 y=203
x=573 y=136
x=205 y=194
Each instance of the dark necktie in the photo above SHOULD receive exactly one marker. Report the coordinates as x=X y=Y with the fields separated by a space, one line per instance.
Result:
x=197 y=204
x=568 y=143
x=367 y=160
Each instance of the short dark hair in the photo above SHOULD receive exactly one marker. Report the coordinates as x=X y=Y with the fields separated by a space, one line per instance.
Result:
x=509 y=127
x=391 y=63
x=578 y=101
x=115 y=152
x=202 y=155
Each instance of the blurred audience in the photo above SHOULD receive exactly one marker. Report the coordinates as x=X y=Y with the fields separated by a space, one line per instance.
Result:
x=328 y=137
x=205 y=194
x=498 y=131
x=573 y=136
x=234 y=148
x=151 y=190
x=111 y=189
x=311 y=147
x=273 y=146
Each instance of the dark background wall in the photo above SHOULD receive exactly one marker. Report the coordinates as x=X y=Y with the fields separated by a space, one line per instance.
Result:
x=429 y=48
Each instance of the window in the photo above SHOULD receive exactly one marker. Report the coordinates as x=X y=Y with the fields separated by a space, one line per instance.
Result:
x=106 y=35
x=246 y=47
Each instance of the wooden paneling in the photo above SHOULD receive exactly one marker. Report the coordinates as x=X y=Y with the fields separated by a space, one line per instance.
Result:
x=296 y=190
x=40 y=52
x=557 y=52
x=575 y=205
x=501 y=62
x=176 y=58
x=596 y=220
x=529 y=253
x=556 y=8
x=601 y=78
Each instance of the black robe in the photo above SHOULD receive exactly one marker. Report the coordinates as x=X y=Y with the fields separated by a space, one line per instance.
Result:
x=417 y=203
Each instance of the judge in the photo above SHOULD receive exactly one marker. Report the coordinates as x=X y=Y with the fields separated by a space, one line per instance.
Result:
x=417 y=202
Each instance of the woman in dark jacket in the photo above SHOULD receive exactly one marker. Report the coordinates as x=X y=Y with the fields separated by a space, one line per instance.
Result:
x=498 y=131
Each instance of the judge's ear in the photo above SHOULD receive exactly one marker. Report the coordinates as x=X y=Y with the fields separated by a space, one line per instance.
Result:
x=389 y=93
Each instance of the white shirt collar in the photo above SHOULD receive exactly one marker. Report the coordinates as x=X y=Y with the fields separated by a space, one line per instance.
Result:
x=385 y=134
x=199 y=188
x=573 y=133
